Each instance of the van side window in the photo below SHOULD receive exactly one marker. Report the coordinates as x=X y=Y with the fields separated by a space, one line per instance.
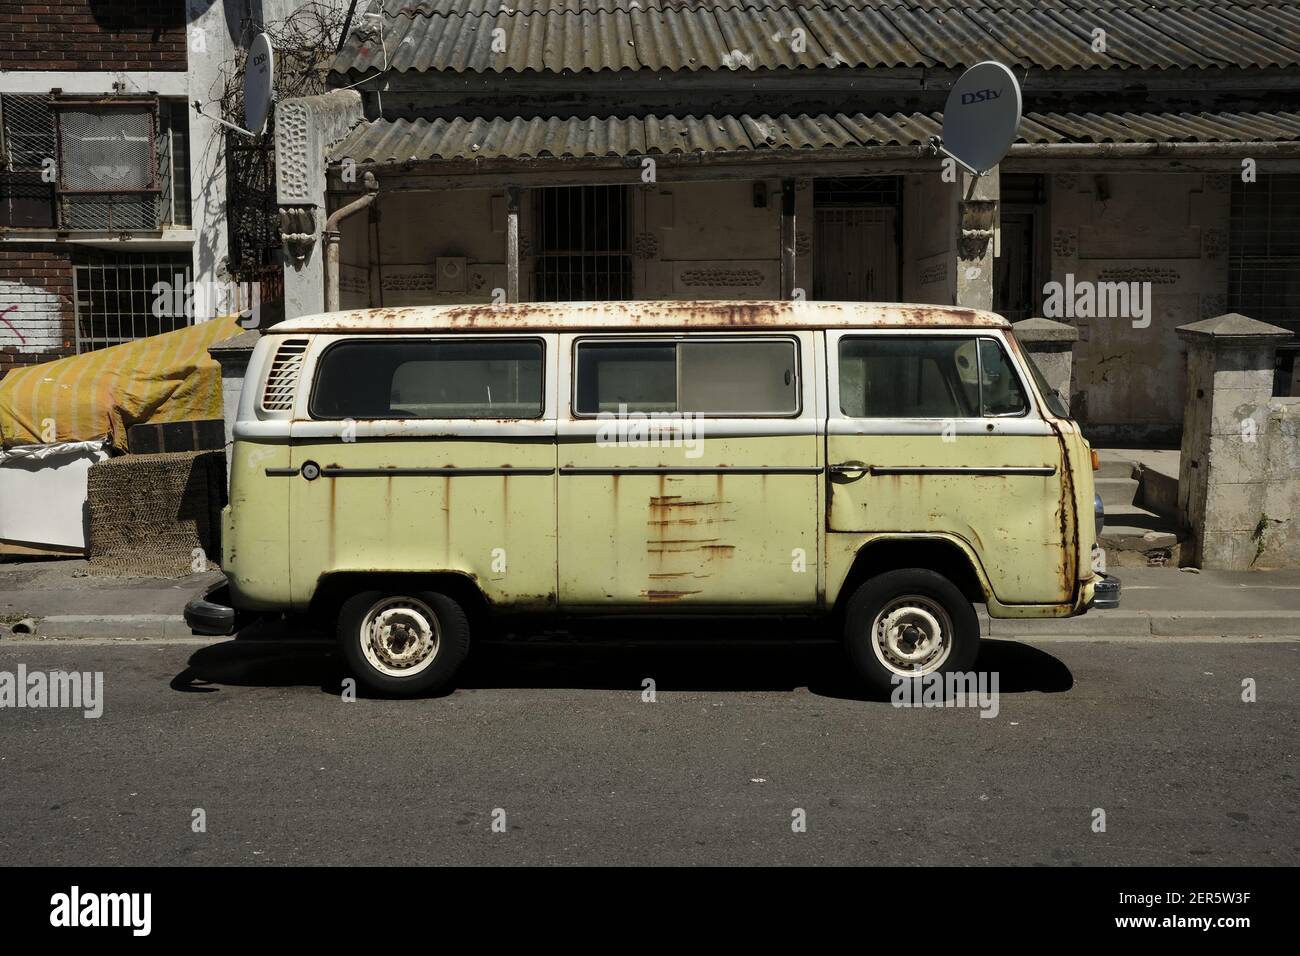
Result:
x=1000 y=388
x=926 y=377
x=370 y=378
x=739 y=378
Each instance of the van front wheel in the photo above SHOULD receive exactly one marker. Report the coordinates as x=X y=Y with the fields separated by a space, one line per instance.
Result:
x=909 y=623
x=403 y=644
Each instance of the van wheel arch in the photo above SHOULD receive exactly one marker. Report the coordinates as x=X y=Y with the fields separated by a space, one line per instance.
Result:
x=941 y=555
x=332 y=590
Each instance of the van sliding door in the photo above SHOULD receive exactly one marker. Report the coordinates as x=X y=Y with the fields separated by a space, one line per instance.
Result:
x=689 y=471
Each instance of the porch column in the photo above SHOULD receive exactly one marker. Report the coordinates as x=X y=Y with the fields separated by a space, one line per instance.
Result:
x=1234 y=449
x=787 y=239
x=512 y=243
x=977 y=220
x=1052 y=346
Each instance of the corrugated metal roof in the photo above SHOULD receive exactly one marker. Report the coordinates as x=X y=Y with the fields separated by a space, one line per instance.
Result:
x=384 y=141
x=593 y=35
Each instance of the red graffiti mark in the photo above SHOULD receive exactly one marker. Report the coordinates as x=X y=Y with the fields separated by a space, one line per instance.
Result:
x=6 y=311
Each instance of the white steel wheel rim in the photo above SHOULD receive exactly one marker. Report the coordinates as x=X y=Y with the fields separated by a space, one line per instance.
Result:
x=912 y=635
x=400 y=636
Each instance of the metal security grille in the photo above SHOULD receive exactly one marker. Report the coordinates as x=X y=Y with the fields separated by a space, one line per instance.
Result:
x=581 y=235
x=108 y=171
x=27 y=147
x=115 y=298
x=1264 y=258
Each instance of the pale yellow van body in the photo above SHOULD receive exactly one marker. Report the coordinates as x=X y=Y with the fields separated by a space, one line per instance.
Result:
x=767 y=514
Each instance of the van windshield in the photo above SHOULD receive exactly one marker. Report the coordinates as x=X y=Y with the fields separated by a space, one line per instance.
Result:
x=1056 y=402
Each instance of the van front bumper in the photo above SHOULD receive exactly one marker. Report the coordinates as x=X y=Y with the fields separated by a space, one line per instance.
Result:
x=1106 y=593
x=212 y=614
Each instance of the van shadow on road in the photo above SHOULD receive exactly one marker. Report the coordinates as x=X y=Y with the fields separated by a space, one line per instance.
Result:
x=692 y=660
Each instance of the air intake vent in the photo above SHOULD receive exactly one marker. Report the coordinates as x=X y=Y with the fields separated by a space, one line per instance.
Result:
x=283 y=377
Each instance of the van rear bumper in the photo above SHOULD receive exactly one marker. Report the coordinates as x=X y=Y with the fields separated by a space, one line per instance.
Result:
x=212 y=614
x=1106 y=593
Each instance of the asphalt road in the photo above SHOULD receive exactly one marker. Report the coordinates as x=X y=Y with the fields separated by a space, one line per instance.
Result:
x=257 y=735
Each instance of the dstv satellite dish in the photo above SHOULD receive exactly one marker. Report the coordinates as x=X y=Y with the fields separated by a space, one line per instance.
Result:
x=259 y=80
x=982 y=116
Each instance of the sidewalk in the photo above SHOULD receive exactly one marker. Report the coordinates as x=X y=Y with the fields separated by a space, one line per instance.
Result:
x=1156 y=603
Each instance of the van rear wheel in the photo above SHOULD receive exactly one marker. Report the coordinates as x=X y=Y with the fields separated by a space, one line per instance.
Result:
x=909 y=623
x=403 y=643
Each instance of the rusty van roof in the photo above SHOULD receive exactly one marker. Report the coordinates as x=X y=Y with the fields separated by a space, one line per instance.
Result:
x=711 y=314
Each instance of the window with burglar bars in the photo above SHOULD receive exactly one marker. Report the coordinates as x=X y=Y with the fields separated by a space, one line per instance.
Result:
x=580 y=239
x=103 y=165
x=1264 y=258
x=114 y=297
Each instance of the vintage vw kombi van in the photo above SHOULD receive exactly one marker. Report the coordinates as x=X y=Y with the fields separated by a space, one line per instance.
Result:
x=415 y=475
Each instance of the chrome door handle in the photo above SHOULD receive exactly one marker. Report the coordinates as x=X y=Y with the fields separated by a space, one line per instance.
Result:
x=848 y=468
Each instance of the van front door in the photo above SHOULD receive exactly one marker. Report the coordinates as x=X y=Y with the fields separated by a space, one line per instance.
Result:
x=689 y=472
x=935 y=433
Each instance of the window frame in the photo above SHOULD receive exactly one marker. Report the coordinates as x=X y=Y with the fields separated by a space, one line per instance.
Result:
x=836 y=401
x=319 y=360
x=675 y=339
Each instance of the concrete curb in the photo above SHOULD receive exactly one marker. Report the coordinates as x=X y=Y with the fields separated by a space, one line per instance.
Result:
x=1119 y=624
x=128 y=626
x=1116 y=625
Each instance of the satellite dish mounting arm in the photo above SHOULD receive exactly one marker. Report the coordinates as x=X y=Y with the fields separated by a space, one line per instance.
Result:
x=938 y=149
x=198 y=108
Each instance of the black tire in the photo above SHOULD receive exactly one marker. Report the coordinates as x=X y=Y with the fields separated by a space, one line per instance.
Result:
x=452 y=644
x=876 y=593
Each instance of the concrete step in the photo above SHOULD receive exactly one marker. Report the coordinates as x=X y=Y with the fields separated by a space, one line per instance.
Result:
x=1116 y=492
x=1113 y=466
x=1135 y=537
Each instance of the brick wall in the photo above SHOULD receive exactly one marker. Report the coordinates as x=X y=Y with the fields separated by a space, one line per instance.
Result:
x=93 y=35
x=36 y=311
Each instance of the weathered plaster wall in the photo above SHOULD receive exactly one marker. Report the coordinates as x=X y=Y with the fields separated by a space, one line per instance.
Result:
x=710 y=240
x=688 y=241
x=425 y=248
x=1169 y=229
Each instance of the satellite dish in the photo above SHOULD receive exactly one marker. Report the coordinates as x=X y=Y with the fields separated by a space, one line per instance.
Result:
x=259 y=81
x=982 y=116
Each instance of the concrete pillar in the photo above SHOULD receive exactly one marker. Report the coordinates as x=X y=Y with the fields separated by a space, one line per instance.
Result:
x=977 y=221
x=232 y=355
x=1222 y=475
x=1052 y=346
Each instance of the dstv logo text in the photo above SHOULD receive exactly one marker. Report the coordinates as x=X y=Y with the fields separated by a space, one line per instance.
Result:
x=979 y=96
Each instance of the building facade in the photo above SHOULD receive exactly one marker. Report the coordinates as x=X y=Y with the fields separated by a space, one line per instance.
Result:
x=717 y=149
x=111 y=182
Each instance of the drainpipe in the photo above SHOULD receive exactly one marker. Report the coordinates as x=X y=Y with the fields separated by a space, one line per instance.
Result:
x=331 y=237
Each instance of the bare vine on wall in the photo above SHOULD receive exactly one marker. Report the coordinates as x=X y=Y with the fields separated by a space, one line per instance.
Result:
x=304 y=45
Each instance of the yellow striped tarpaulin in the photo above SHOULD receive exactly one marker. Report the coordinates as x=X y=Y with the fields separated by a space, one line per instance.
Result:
x=163 y=378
